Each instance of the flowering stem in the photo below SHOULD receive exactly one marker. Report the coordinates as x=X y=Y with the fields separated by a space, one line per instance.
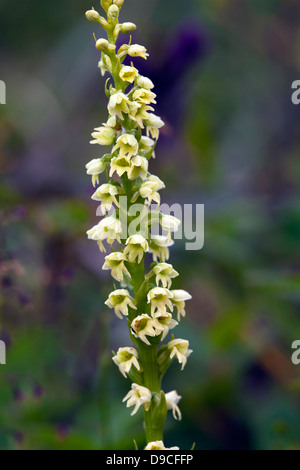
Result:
x=144 y=298
x=148 y=355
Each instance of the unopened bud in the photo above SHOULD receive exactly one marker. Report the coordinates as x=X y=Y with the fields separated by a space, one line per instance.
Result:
x=119 y=3
x=113 y=14
x=106 y=4
x=93 y=16
x=102 y=44
x=127 y=28
x=103 y=22
x=145 y=82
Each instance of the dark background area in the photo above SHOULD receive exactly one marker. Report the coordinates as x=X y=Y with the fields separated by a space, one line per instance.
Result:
x=223 y=71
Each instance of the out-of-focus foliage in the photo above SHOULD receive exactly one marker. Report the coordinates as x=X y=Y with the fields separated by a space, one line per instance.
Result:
x=223 y=71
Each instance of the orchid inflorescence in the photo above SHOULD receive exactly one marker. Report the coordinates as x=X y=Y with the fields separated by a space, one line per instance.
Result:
x=145 y=299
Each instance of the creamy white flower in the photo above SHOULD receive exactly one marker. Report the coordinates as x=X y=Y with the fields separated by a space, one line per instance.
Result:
x=120 y=300
x=136 y=247
x=103 y=136
x=102 y=67
x=159 y=445
x=158 y=181
x=179 y=298
x=108 y=229
x=164 y=273
x=153 y=124
x=142 y=95
x=127 y=144
x=135 y=50
x=125 y=359
x=138 y=396
x=159 y=247
x=139 y=168
x=104 y=64
x=118 y=104
x=120 y=165
x=128 y=74
x=106 y=193
x=146 y=144
x=112 y=122
x=170 y=223
x=159 y=298
x=163 y=323
x=139 y=113
x=172 y=399
x=115 y=262
x=143 y=326
x=149 y=190
x=145 y=82
x=179 y=348
x=95 y=168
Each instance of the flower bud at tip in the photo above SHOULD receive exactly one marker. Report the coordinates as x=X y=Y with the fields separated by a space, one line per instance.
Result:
x=119 y=3
x=106 y=4
x=113 y=14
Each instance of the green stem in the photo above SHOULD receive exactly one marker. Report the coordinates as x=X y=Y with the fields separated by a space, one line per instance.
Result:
x=148 y=360
x=153 y=433
x=148 y=357
x=114 y=61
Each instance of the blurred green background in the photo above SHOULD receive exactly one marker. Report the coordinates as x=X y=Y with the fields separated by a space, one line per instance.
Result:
x=223 y=71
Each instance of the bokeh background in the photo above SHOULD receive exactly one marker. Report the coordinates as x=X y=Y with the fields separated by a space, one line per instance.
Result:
x=223 y=71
